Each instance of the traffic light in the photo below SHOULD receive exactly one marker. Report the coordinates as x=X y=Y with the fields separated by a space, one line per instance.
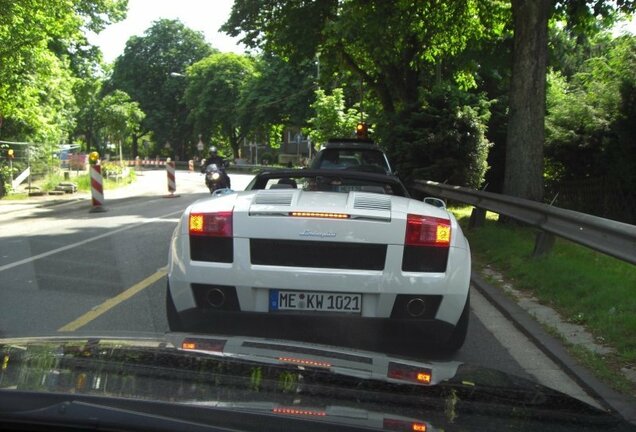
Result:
x=10 y=154
x=362 y=130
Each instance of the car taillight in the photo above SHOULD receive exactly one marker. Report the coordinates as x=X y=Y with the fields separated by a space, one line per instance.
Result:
x=409 y=373
x=404 y=425
x=192 y=344
x=211 y=224
x=427 y=231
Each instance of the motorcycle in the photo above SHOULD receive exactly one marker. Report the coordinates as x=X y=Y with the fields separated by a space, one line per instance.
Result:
x=215 y=178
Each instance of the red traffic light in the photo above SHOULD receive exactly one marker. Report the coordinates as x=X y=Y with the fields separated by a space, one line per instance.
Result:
x=362 y=130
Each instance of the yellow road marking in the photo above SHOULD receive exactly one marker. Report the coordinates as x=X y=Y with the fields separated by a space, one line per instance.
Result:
x=112 y=302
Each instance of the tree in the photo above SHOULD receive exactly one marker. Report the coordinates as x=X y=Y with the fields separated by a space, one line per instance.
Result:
x=150 y=72
x=216 y=86
x=443 y=141
x=280 y=92
x=586 y=116
x=88 y=94
x=399 y=52
x=35 y=78
x=331 y=118
x=393 y=46
x=118 y=116
x=525 y=139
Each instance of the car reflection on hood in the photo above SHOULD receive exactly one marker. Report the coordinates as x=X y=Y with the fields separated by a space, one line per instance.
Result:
x=282 y=381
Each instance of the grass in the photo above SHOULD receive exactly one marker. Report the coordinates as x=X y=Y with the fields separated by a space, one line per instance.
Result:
x=82 y=181
x=18 y=196
x=585 y=286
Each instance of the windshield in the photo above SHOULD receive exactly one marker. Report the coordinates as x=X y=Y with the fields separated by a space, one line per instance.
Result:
x=360 y=160
x=383 y=215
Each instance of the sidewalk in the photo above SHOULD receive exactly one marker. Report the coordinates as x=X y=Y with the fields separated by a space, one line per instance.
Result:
x=148 y=183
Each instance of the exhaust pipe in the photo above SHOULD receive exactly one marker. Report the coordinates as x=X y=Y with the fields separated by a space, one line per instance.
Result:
x=216 y=297
x=416 y=307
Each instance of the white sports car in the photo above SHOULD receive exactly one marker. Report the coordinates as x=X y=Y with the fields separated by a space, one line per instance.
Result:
x=321 y=256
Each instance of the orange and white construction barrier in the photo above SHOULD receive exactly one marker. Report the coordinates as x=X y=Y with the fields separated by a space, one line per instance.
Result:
x=97 y=183
x=172 y=182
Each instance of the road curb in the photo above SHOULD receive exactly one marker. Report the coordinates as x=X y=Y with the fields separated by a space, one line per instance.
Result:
x=27 y=205
x=624 y=406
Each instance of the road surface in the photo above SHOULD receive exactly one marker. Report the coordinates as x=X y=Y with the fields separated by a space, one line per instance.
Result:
x=64 y=270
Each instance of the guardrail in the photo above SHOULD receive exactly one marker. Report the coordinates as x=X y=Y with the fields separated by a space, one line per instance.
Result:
x=604 y=235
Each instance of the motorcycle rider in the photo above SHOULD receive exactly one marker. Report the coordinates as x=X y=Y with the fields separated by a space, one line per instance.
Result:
x=214 y=158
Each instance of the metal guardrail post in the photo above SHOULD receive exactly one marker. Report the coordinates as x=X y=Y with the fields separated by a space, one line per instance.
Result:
x=543 y=244
x=477 y=218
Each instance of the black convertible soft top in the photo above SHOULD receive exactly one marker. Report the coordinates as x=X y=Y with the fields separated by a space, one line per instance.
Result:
x=350 y=177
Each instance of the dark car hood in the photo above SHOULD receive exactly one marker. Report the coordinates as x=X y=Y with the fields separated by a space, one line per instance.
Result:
x=291 y=379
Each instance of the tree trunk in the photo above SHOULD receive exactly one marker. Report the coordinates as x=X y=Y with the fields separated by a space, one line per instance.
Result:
x=525 y=139
x=235 y=144
x=135 y=145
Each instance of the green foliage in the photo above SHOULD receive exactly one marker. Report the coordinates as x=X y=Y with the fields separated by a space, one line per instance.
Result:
x=146 y=71
x=331 y=119
x=112 y=169
x=88 y=94
x=278 y=92
x=442 y=141
x=216 y=86
x=119 y=116
x=39 y=40
x=5 y=180
x=393 y=46
x=587 y=131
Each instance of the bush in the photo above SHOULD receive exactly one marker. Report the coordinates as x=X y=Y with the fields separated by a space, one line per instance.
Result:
x=112 y=169
x=444 y=140
x=5 y=181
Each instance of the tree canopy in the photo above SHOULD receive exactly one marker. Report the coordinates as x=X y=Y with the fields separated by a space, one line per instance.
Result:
x=152 y=71
x=392 y=46
x=40 y=41
x=215 y=88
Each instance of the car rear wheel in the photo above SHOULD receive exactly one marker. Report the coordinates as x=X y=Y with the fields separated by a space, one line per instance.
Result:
x=174 y=322
x=457 y=338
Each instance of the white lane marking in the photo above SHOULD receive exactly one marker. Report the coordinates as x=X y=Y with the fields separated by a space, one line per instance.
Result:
x=83 y=242
x=529 y=357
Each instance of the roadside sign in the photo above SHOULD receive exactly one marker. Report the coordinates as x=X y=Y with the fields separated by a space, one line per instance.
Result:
x=19 y=179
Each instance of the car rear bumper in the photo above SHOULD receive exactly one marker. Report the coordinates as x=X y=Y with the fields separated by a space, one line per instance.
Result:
x=378 y=334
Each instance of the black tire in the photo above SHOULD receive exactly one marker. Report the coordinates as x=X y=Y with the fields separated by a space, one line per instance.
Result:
x=458 y=337
x=174 y=322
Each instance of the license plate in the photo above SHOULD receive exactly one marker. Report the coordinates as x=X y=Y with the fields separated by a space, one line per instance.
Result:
x=314 y=301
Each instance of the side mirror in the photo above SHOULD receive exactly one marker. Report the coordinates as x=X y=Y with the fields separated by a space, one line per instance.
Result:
x=435 y=202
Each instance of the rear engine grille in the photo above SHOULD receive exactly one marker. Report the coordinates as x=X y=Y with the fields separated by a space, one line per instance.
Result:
x=212 y=249
x=274 y=198
x=424 y=259
x=298 y=253
x=366 y=202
